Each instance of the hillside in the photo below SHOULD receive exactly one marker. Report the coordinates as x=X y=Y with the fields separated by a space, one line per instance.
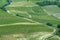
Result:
x=29 y=20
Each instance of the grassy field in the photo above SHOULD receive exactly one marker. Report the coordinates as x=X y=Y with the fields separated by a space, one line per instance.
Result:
x=54 y=11
x=26 y=11
x=41 y=15
x=6 y=18
x=24 y=29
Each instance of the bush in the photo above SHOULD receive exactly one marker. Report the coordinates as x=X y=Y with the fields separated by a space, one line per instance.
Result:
x=58 y=26
x=58 y=31
x=49 y=24
x=4 y=9
x=19 y=15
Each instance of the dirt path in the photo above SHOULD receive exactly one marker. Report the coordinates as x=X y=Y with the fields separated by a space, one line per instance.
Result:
x=26 y=23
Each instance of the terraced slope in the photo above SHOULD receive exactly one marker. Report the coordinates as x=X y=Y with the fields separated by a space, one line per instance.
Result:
x=27 y=18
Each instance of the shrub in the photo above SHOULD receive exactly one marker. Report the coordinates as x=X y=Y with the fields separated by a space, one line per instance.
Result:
x=49 y=24
x=58 y=26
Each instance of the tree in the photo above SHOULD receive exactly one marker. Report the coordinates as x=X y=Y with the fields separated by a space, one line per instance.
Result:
x=2 y=2
x=44 y=3
x=58 y=30
x=40 y=3
x=58 y=4
x=9 y=1
x=4 y=9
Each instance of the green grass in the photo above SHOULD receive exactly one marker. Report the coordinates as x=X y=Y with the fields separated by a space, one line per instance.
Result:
x=53 y=38
x=52 y=9
x=37 y=13
x=28 y=0
x=24 y=29
x=2 y=2
x=6 y=18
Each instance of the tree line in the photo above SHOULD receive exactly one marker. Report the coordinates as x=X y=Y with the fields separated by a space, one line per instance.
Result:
x=44 y=3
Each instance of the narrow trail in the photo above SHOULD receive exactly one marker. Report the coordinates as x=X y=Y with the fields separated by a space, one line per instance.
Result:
x=8 y=2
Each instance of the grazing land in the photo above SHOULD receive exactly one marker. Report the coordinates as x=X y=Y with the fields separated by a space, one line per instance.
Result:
x=28 y=20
